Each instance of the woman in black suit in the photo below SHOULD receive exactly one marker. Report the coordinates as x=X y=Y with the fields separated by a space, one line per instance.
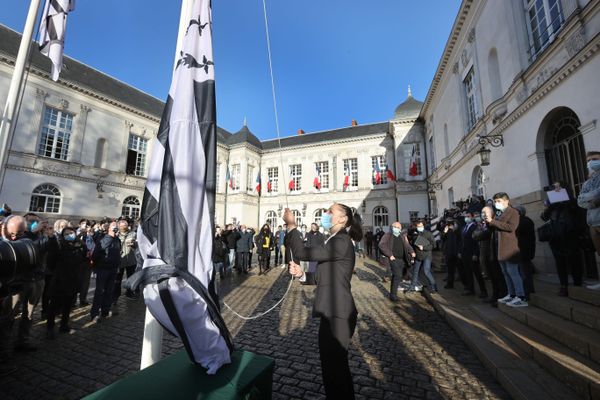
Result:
x=334 y=303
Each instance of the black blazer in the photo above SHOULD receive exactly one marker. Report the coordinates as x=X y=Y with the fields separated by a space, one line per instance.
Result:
x=469 y=246
x=333 y=297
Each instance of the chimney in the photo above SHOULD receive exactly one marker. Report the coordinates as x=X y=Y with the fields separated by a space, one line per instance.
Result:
x=354 y=122
x=300 y=132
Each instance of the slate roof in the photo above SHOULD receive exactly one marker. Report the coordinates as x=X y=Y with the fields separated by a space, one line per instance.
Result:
x=84 y=76
x=409 y=109
x=244 y=136
x=324 y=136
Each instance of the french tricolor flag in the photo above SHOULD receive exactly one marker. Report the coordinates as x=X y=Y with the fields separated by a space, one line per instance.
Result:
x=377 y=177
x=317 y=181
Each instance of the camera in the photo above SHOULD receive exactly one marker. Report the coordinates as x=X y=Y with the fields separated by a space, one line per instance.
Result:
x=17 y=258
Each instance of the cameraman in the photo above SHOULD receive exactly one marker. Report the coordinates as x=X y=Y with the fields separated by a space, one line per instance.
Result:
x=107 y=258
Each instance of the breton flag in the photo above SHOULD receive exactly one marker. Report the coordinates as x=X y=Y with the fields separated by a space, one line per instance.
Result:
x=52 y=32
x=377 y=178
x=390 y=174
x=346 y=178
x=412 y=169
x=176 y=231
x=317 y=181
x=258 y=182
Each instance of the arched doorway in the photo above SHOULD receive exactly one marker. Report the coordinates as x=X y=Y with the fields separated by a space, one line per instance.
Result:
x=564 y=149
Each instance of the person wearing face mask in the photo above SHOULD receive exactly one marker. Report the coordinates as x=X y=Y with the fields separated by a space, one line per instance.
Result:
x=469 y=255
x=243 y=247
x=333 y=302
x=450 y=245
x=395 y=246
x=264 y=245
x=65 y=280
x=589 y=199
x=107 y=258
x=423 y=245
x=509 y=254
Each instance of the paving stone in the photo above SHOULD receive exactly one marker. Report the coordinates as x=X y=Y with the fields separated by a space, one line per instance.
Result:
x=399 y=351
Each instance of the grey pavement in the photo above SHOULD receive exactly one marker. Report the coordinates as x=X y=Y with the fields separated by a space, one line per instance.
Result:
x=399 y=351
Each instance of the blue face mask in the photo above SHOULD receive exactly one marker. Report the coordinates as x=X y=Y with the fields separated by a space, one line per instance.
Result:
x=396 y=231
x=420 y=229
x=593 y=165
x=70 y=237
x=468 y=220
x=477 y=219
x=33 y=226
x=326 y=221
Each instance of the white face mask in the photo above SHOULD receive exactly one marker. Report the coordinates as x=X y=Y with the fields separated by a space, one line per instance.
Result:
x=499 y=206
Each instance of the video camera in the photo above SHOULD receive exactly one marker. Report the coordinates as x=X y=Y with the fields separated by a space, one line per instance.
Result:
x=17 y=258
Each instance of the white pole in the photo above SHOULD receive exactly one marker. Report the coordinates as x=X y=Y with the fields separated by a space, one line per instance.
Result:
x=10 y=108
x=153 y=332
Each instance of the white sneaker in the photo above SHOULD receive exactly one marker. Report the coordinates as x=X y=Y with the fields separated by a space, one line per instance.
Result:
x=594 y=287
x=418 y=288
x=517 y=302
x=505 y=299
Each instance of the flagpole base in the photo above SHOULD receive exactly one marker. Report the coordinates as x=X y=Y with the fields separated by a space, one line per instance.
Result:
x=152 y=344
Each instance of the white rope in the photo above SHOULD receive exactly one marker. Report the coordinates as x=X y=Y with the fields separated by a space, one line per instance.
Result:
x=264 y=312
x=280 y=161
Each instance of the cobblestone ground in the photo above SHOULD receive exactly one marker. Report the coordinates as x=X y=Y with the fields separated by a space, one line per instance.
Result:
x=399 y=351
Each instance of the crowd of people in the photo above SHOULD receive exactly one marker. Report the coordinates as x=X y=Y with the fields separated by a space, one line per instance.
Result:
x=64 y=257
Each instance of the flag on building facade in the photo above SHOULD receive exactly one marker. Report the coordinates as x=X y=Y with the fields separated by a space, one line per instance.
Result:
x=317 y=180
x=346 y=178
x=390 y=174
x=412 y=169
x=52 y=32
x=258 y=183
x=377 y=173
x=176 y=231
x=228 y=178
x=291 y=184
x=269 y=185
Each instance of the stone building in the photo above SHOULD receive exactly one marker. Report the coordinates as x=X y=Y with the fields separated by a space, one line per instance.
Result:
x=522 y=75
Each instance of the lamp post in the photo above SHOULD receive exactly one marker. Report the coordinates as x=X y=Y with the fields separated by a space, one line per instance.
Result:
x=484 y=152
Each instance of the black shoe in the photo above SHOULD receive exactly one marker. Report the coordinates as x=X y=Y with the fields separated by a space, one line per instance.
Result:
x=114 y=312
x=393 y=299
x=468 y=293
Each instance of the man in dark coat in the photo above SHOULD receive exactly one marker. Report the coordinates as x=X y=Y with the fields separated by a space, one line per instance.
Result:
x=107 y=258
x=451 y=249
x=243 y=247
x=369 y=242
x=394 y=245
x=526 y=238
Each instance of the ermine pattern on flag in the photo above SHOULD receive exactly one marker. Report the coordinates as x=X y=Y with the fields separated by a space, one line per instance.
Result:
x=176 y=230
x=52 y=32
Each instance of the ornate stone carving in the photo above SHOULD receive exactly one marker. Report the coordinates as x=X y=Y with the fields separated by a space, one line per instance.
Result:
x=522 y=94
x=85 y=109
x=471 y=36
x=455 y=68
x=464 y=58
x=575 y=43
x=40 y=93
x=63 y=104
x=128 y=124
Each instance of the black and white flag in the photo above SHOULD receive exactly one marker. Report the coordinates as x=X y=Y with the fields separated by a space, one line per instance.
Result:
x=52 y=32
x=176 y=231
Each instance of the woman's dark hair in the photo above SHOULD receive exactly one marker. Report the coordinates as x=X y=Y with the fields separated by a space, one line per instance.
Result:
x=354 y=223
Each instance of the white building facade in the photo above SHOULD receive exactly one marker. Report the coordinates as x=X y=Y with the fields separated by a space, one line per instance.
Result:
x=523 y=74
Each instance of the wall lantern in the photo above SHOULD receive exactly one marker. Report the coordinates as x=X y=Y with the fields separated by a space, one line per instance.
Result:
x=484 y=152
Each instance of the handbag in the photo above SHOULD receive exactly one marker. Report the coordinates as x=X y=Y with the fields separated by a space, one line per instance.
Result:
x=546 y=232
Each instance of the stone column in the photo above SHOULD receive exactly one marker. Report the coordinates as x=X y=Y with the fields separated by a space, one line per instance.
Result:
x=35 y=123
x=80 y=132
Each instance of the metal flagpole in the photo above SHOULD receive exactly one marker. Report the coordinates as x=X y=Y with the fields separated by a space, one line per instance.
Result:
x=153 y=332
x=10 y=109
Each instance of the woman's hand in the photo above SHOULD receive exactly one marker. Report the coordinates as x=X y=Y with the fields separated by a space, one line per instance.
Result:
x=295 y=270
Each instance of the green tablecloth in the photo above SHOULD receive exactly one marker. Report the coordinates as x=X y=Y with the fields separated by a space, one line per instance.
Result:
x=249 y=376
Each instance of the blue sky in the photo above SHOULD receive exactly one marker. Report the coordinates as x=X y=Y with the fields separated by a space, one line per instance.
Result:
x=333 y=60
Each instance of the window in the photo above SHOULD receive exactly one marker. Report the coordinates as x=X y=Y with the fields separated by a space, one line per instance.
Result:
x=297 y=217
x=131 y=207
x=446 y=141
x=469 y=85
x=431 y=154
x=250 y=179
x=235 y=177
x=271 y=219
x=494 y=75
x=136 y=155
x=273 y=175
x=413 y=216
x=296 y=177
x=318 y=214
x=380 y=217
x=545 y=18
x=479 y=180
x=56 y=133
x=101 y=153
x=45 y=198
x=322 y=169
x=450 y=197
x=218 y=178
x=378 y=163
x=351 y=168
x=412 y=160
